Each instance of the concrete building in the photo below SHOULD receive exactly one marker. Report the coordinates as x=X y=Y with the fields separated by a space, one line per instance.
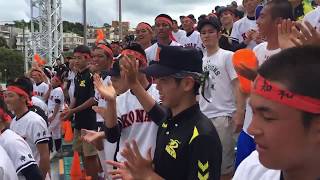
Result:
x=72 y=40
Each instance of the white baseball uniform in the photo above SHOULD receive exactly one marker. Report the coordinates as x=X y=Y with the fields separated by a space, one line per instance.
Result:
x=153 y=51
x=33 y=129
x=262 y=54
x=179 y=35
x=240 y=28
x=135 y=122
x=193 y=41
x=252 y=169
x=40 y=90
x=7 y=170
x=56 y=98
x=40 y=103
x=17 y=149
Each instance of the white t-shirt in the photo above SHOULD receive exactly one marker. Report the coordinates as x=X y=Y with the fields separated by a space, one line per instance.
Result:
x=193 y=41
x=135 y=122
x=240 y=28
x=153 y=51
x=179 y=35
x=218 y=88
x=40 y=90
x=252 y=169
x=33 y=129
x=313 y=18
x=56 y=96
x=17 y=149
x=7 y=170
x=262 y=54
x=40 y=103
x=100 y=100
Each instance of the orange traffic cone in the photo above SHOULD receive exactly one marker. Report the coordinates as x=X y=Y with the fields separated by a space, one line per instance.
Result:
x=75 y=171
x=68 y=137
x=63 y=127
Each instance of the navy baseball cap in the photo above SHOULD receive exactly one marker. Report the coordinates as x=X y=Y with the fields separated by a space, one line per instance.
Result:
x=175 y=59
x=115 y=70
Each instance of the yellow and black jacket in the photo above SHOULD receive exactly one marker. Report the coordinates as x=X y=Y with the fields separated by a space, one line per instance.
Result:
x=188 y=146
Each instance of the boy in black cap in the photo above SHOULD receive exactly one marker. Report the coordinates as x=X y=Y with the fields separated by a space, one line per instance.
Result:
x=188 y=146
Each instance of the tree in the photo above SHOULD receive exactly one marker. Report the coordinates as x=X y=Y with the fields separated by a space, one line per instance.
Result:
x=3 y=42
x=11 y=64
x=73 y=27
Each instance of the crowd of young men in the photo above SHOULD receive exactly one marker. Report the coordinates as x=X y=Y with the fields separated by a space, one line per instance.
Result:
x=172 y=107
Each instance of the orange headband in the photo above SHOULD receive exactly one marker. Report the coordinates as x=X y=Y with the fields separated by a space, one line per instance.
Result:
x=272 y=92
x=135 y=54
x=21 y=92
x=143 y=25
x=106 y=49
x=167 y=20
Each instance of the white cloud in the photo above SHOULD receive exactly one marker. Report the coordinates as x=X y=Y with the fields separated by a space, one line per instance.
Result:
x=100 y=11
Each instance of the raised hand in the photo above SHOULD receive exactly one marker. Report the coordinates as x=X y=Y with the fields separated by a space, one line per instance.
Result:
x=308 y=35
x=286 y=34
x=138 y=166
x=121 y=172
x=248 y=73
x=130 y=70
x=92 y=137
x=107 y=92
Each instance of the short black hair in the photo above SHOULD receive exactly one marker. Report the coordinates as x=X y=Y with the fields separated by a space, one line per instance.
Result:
x=165 y=16
x=280 y=8
x=23 y=83
x=136 y=47
x=175 y=21
x=298 y=69
x=214 y=22
x=201 y=17
x=82 y=49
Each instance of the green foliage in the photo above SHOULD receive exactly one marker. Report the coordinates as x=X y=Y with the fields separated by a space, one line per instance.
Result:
x=3 y=42
x=73 y=27
x=12 y=61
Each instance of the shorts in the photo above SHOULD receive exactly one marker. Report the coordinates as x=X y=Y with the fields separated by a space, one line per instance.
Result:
x=55 y=127
x=245 y=147
x=82 y=147
x=225 y=129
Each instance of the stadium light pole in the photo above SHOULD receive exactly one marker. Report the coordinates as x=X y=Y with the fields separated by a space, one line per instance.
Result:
x=84 y=22
x=120 y=20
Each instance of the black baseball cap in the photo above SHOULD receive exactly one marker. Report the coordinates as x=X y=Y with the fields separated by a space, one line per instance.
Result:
x=115 y=70
x=175 y=59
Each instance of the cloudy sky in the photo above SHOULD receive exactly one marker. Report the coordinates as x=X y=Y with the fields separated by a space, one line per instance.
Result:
x=100 y=11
